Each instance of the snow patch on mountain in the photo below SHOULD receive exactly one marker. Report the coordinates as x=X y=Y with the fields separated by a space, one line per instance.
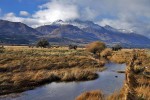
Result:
x=126 y=31
x=78 y=23
x=89 y=24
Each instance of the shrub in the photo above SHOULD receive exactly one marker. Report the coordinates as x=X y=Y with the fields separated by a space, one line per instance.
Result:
x=2 y=49
x=116 y=47
x=138 y=69
x=73 y=47
x=42 y=43
x=96 y=47
x=107 y=52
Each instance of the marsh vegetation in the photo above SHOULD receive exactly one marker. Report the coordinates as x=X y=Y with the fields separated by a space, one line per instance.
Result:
x=23 y=68
x=136 y=84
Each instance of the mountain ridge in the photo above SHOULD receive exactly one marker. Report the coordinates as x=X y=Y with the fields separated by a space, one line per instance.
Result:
x=106 y=34
x=73 y=31
x=17 y=33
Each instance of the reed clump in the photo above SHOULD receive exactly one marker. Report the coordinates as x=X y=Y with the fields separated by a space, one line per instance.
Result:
x=23 y=68
x=91 y=95
x=136 y=85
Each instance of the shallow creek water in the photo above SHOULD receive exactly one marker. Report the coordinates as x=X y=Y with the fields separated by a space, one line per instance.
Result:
x=108 y=82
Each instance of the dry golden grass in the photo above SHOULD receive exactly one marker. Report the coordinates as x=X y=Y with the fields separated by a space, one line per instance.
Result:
x=98 y=95
x=148 y=52
x=22 y=68
x=121 y=56
x=142 y=64
x=35 y=59
x=142 y=87
x=143 y=92
x=117 y=95
x=106 y=53
x=91 y=95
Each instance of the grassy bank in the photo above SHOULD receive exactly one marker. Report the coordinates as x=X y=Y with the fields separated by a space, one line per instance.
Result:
x=23 y=68
x=137 y=86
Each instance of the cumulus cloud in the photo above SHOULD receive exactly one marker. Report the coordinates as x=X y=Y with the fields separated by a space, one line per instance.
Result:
x=29 y=21
x=54 y=10
x=119 y=24
x=89 y=13
x=24 y=13
x=9 y=15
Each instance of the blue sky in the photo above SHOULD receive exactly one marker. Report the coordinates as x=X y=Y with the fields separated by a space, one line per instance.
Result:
x=132 y=15
x=16 y=6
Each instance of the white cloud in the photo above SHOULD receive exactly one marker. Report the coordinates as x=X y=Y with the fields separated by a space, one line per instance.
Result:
x=53 y=11
x=9 y=15
x=24 y=13
x=118 y=23
x=115 y=23
x=89 y=13
x=29 y=21
x=123 y=14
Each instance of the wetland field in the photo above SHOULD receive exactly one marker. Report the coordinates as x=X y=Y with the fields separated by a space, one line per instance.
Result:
x=60 y=73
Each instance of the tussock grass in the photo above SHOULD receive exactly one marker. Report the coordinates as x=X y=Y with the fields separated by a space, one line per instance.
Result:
x=140 y=84
x=143 y=92
x=2 y=49
x=98 y=95
x=117 y=95
x=91 y=95
x=28 y=79
x=121 y=56
x=106 y=53
x=142 y=64
x=143 y=87
x=23 y=68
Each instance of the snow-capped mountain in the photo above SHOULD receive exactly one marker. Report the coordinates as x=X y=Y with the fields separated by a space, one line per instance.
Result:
x=109 y=28
x=67 y=32
x=78 y=23
x=126 y=31
x=88 y=24
x=87 y=31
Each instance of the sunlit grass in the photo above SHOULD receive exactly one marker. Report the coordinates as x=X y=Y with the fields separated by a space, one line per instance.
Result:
x=142 y=87
x=91 y=95
x=22 y=68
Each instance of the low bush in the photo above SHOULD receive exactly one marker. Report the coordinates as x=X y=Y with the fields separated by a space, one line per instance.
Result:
x=43 y=43
x=2 y=49
x=138 y=69
x=107 y=52
x=96 y=47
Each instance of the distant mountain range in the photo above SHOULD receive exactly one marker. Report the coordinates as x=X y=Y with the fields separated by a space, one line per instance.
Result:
x=69 y=32
x=17 y=33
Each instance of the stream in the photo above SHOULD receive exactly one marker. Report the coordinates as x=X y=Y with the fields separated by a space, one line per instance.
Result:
x=108 y=82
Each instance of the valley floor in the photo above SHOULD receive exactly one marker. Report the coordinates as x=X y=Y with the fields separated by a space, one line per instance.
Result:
x=23 y=68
